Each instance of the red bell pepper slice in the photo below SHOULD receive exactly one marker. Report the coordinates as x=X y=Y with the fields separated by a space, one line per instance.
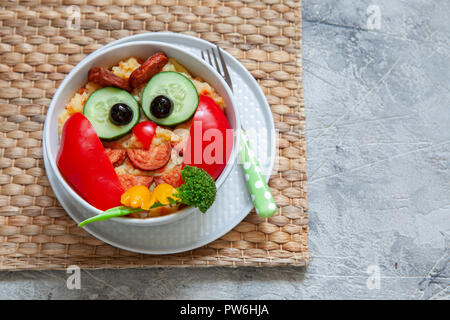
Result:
x=145 y=131
x=210 y=139
x=83 y=162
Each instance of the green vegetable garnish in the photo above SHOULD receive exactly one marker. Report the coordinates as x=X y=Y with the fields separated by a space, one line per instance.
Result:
x=110 y=213
x=198 y=190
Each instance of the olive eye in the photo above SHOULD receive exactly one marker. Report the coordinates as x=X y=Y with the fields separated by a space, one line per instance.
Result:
x=120 y=114
x=161 y=107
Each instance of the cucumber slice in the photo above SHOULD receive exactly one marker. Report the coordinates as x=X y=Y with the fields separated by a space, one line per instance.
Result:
x=97 y=109
x=179 y=89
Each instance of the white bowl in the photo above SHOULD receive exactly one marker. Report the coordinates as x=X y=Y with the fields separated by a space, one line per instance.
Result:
x=107 y=58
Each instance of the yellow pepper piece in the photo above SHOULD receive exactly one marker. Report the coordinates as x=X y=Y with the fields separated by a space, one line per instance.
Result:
x=137 y=197
x=162 y=193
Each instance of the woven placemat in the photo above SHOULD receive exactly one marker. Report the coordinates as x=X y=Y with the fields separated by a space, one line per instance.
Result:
x=40 y=43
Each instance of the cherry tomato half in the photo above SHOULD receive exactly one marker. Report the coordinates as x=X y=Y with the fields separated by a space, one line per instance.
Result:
x=145 y=131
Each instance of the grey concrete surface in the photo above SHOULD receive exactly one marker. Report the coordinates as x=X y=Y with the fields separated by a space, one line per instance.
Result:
x=378 y=142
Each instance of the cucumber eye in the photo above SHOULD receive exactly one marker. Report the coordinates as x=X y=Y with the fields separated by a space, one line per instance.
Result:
x=120 y=114
x=161 y=107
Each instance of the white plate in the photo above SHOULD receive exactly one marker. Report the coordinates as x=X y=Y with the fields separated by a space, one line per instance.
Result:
x=233 y=203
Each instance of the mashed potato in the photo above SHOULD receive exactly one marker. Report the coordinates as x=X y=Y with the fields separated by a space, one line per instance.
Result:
x=77 y=102
x=126 y=67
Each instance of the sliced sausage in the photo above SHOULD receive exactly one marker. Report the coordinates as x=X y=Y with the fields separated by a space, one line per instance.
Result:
x=106 y=78
x=151 y=159
x=148 y=69
x=116 y=156
x=128 y=181
x=172 y=177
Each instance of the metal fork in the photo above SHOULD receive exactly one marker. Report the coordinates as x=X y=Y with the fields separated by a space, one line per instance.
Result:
x=259 y=190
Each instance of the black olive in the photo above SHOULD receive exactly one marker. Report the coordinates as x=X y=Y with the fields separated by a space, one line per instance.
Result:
x=120 y=114
x=161 y=107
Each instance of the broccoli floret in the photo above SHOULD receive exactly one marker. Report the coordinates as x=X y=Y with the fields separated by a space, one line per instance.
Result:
x=198 y=189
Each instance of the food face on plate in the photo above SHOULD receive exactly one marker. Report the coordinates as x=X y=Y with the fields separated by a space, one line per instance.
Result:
x=132 y=125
